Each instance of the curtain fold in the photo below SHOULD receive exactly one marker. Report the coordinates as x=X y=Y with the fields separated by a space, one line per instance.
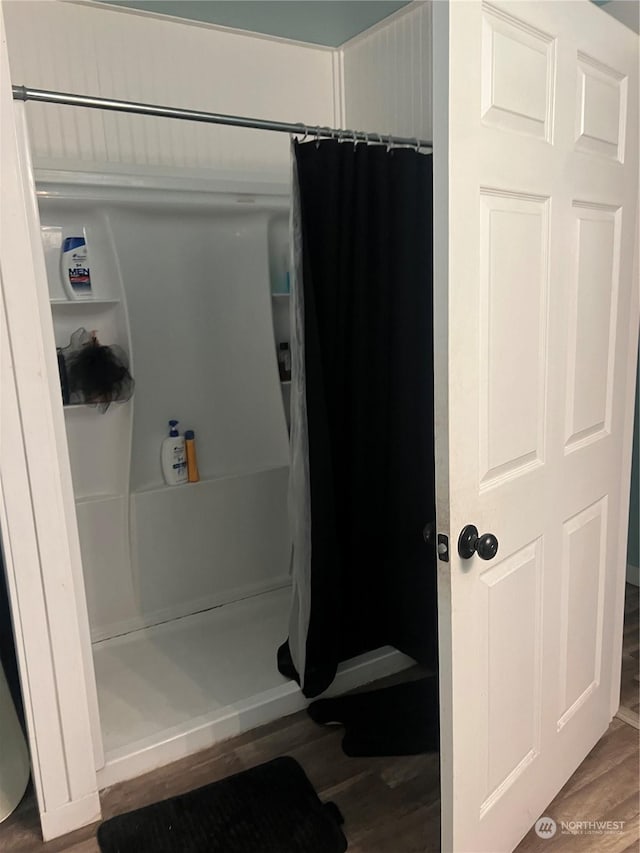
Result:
x=299 y=497
x=362 y=477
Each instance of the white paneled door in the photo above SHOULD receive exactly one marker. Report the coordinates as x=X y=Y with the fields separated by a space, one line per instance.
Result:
x=537 y=315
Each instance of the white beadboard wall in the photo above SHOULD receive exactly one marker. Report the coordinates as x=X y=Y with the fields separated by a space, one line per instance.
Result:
x=387 y=75
x=89 y=49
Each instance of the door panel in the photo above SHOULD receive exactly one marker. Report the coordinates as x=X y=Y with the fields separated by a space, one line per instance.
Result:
x=592 y=323
x=601 y=108
x=517 y=677
x=582 y=600
x=533 y=289
x=517 y=74
x=513 y=323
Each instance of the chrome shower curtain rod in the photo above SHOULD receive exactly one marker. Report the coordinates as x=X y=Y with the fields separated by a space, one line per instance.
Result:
x=25 y=93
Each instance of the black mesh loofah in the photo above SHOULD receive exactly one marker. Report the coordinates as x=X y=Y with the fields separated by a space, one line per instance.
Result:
x=96 y=374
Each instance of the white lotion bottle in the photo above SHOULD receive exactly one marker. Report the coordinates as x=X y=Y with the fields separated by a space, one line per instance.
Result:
x=174 y=457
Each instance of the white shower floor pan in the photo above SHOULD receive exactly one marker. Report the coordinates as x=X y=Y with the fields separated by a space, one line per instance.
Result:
x=174 y=689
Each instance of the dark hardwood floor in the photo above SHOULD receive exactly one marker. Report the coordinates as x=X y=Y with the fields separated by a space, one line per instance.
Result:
x=391 y=805
x=604 y=787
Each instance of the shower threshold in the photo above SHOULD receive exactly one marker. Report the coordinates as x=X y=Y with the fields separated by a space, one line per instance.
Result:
x=173 y=689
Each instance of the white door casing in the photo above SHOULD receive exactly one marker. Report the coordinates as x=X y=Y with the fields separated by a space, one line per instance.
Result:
x=37 y=514
x=535 y=154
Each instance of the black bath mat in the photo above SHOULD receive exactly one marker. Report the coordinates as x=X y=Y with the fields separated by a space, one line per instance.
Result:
x=271 y=808
x=398 y=720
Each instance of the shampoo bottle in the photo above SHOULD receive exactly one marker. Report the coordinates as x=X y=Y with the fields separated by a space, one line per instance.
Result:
x=192 y=462
x=174 y=458
x=74 y=265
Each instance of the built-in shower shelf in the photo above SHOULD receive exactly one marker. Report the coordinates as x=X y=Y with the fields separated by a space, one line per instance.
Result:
x=285 y=382
x=280 y=295
x=98 y=497
x=93 y=405
x=206 y=480
x=83 y=303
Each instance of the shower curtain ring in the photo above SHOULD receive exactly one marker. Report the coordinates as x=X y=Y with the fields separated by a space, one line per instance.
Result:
x=417 y=145
x=317 y=137
x=389 y=143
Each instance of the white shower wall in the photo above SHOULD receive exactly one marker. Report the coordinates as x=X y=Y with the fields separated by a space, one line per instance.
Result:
x=182 y=281
x=95 y=50
x=380 y=81
x=387 y=78
x=194 y=291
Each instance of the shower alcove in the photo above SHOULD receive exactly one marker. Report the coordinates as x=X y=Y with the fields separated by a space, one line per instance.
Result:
x=188 y=587
x=147 y=618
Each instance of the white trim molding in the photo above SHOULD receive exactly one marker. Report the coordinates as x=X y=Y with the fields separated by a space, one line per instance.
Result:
x=37 y=516
x=75 y=813
x=628 y=716
x=628 y=390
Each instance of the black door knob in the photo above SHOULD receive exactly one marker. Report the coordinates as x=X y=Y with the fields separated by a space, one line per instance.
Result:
x=470 y=543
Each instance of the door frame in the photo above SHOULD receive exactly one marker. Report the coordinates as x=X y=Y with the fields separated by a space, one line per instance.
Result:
x=627 y=458
x=37 y=510
x=441 y=250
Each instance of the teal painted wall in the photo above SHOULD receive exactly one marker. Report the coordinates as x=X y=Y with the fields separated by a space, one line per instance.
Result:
x=314 y=21
x=633 y=548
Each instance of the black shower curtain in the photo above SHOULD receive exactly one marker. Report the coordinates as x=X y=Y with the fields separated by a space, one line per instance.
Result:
x=366 y=216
